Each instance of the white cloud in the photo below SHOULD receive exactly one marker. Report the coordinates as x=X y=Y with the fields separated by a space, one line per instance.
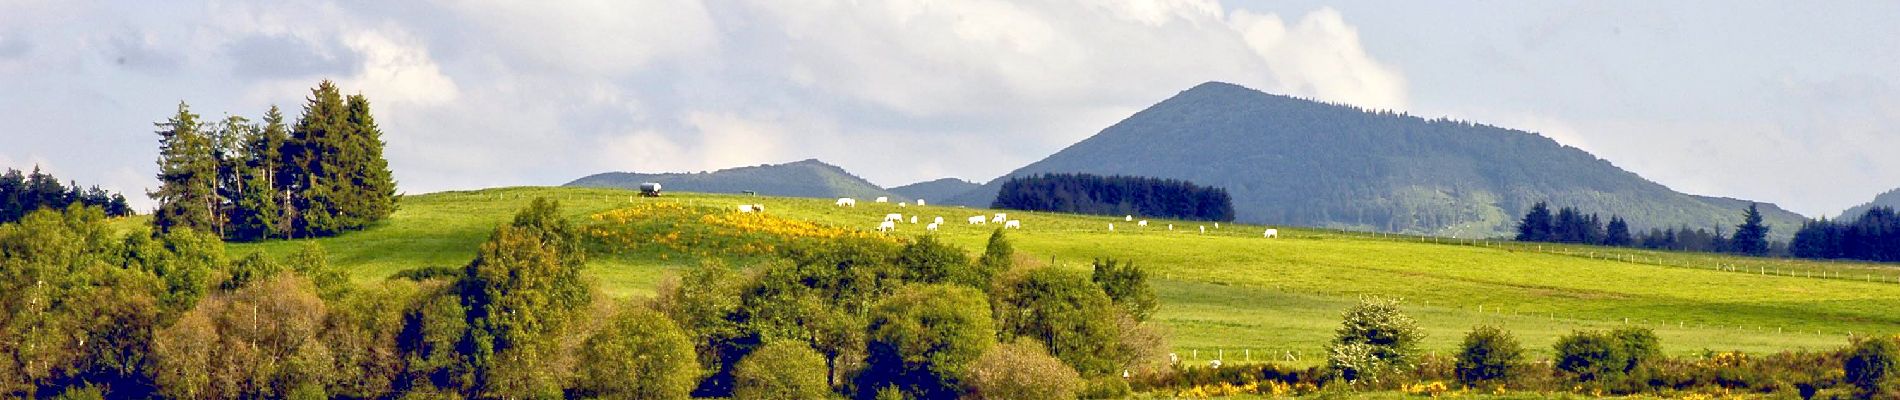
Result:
x=1321 y=57
x=399 y=72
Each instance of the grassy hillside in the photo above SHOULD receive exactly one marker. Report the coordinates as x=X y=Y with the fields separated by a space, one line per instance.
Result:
x=1300 y=162
x=1889 y=199
x=808 y=178
x=1230 y=291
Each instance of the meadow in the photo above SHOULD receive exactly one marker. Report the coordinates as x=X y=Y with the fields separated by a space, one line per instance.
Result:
x=1233 y=294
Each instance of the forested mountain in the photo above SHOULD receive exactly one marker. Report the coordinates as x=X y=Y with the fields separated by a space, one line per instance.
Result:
x=1115 y=196
x=808 y=178
x=937 y=190
x=1889 y=199
x=1299 y=162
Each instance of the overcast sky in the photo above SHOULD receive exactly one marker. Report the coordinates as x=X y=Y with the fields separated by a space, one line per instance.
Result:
x=1796 y=104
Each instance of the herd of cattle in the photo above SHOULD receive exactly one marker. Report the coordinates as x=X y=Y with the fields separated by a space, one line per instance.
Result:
x=891 y=220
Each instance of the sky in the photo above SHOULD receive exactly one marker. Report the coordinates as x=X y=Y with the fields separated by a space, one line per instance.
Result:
x=1796 y=104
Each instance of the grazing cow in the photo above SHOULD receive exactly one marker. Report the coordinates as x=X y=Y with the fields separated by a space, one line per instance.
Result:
x=886 y=226
x=1203 y=228
x=1000 y=217
x=913 y=219
x=902 y=204
x=847 y=201
x=979 y=220
x=1142 y=223
x=1216 y=225
x=1215 y=364
x=1170 y=226
x=921 y=202
x=939 y=220
x=1013 y=224
x=1126 y=218
x=1111 y=227
x=745 y=208
x=1273 y=233
x=893 y=217
x=932 y=227
x=882 y=199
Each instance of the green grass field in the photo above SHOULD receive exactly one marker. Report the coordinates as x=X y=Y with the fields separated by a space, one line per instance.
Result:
x=1230 y=292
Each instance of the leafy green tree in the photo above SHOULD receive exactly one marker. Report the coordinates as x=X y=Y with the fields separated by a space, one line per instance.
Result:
x=261 y=341
x=1639 y=345
x=998 y=256
x=429 y=344
x=1489 y=355
x=704 y=301
x=1064 y=311
x=523 y=291
x=1751 y=237
x=923 y=339
x=928 y=260
x=782 y=370
x=640 y=354
x=259 y=206
x=1127 y=286
x=187 y=176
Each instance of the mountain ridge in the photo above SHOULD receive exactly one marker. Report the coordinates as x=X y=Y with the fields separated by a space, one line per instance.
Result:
x=1301 y=162
x=804 y=178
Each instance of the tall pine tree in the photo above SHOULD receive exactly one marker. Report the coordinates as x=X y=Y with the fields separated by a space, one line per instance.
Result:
x=187 y=175
x=1751 y=237
x=343 y=181
x=1536 y=225
x=374 y=196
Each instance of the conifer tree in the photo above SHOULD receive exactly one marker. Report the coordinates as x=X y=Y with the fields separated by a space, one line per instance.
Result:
x=374 y=193
x=1536 y=224
x=187 y=175
x=1751 y=237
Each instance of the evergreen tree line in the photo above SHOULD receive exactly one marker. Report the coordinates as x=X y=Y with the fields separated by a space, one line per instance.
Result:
x=1875 y=236
x=322 y=175
x=1570 y=225
x=1116 y=195
x=22 y=193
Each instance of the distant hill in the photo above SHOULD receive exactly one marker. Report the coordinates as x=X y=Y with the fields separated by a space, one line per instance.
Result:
x=1889 y=199
x=808 y=178
x=937 y=190
x=1298 y=162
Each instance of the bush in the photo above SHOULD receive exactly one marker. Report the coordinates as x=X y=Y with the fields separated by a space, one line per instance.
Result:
x=1591 y=356
x=639 y=354
x=1107 y=387
x=1020 y=370
x=922 y=339
x=781 y=370
x=1869 y=364
x=1127 y=286
x=1489 y=355
x=929 y=260
x=1640 y=345
x=1374 y=337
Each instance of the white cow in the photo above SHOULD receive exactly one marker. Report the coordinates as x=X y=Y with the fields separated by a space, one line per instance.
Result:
x=1000 y=217
x=921 y=202
x=1013 y=224
x=847 y=201
x=1111 y=227
x=913 y=219
x=979 y=220
x=882 y=199
x=902 y=204
x=1216 y=225
x=932 y=227
x=939 y=220
x=1142 y=223
x=1203 y=228
x=745 y=208
x=1126 y=218
x=893 y=217
x=1273 y=233
x=1170 y=226
x=886 y=226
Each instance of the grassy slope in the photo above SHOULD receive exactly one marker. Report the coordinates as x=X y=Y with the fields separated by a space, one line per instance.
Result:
x=1231 y=290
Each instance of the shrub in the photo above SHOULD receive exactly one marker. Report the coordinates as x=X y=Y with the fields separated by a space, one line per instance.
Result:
x=1639 y=344
x=1591 y=356
x=781 y=370
x=1020 y=370
x=1107 y=387
x=922 y=339
x=1489 y=355
x=929 y=260
x=1374 y=337
x=639 y=354
x=1869 y=364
